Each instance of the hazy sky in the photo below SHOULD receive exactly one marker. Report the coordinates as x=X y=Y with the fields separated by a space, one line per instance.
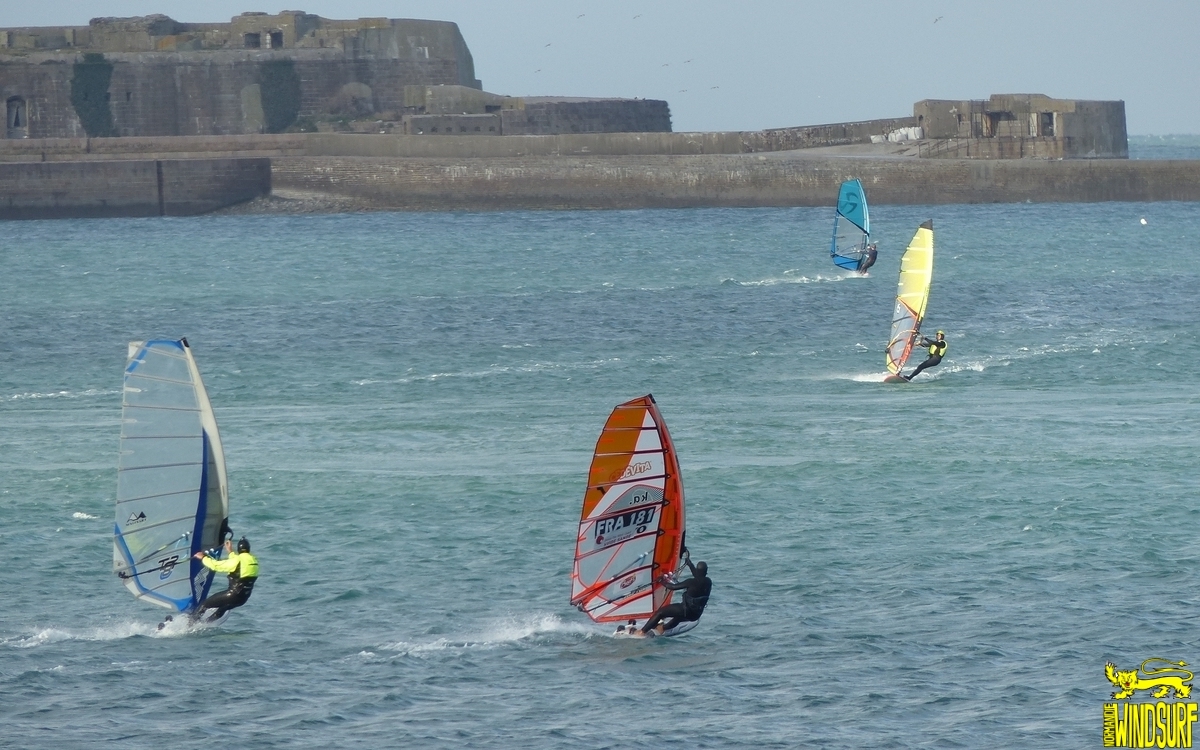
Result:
x=756 y=64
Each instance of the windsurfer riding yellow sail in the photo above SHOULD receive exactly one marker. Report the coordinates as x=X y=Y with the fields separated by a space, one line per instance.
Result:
x=912 y=295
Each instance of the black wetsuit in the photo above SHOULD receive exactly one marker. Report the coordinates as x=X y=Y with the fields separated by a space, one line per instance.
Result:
x=695 y=597
x=933 y=360
x=867 y=260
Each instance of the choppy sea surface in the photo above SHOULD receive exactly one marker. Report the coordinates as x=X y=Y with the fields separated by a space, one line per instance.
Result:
x=409 y=404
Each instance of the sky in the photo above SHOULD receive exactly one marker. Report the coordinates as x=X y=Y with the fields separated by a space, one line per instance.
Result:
x=757 y=64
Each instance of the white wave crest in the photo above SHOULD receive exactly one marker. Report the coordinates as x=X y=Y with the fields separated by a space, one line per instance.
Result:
x=498 y=633
x=773 y=281
x=115 y=632
x=179 y=626
x=532 y=367
x=83 y=516
x=63 y=394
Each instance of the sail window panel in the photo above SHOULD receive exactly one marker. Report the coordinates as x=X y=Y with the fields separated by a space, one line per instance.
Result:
x=139 y=422
x=635 y=607
x=163 y=584
x=159 y=542
x=152 y=516
x=133 y=484
x=140 y=453
x=162 y=360
x=167 y=394
x=175 y=584
x=171 y=581
x=617 y=561
x=637 y=582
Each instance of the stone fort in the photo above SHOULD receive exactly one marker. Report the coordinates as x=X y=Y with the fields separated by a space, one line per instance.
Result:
x=260 y=73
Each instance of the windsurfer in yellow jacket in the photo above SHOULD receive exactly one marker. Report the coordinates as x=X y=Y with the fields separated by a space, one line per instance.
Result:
x=242 y=568
x=937 y=350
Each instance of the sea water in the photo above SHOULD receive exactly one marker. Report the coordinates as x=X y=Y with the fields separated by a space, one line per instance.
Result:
x=409 y=404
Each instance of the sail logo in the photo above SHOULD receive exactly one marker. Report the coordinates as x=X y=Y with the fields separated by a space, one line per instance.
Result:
x=166 y=566
x=628 y=580
x=632 y=470
x=1144 y=724
x=136 y=518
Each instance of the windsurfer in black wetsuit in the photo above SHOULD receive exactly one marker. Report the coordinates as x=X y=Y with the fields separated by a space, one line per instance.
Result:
x=695 y=597
x=868 y=259
x=937 y=350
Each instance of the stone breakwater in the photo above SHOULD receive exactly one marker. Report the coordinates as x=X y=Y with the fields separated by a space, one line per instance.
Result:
x=779 y=179
x=60 y=178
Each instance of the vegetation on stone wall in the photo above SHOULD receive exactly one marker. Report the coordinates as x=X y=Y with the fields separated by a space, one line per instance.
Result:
x=280 y=85
x=89 y=95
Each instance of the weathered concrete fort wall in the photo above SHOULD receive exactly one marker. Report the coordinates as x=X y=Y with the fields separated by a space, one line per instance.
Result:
x=154 y=76
x=151 y=76
x=148 y=116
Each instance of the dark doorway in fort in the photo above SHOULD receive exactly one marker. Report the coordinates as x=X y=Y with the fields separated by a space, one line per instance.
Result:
x=276 y=40
x=16 y=118
x=1047 y=125
x=252 y=41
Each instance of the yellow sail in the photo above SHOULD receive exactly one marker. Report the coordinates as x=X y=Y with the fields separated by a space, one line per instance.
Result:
x=912 y=293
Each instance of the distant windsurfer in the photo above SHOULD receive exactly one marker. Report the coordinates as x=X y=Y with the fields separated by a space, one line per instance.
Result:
x=242 y=568
x=695 y=597
x=937 y=350
x=868 y=258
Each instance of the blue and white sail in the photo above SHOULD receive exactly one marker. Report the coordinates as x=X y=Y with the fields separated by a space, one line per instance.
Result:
x=851 y=226
x=172 y=497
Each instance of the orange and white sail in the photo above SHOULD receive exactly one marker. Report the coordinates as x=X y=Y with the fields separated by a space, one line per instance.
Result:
x=632 y=525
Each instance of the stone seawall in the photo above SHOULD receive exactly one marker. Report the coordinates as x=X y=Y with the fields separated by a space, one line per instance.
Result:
x=185 y=175
x=780 y=179
x=61 y=190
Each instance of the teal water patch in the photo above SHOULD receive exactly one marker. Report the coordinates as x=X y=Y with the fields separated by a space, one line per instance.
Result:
x=409 y=403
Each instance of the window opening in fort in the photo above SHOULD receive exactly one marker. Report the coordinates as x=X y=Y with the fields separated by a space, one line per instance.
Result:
x=276 y=40
x=1047 y=128
x=128 y=96
x=252 y=41
x=16 y=118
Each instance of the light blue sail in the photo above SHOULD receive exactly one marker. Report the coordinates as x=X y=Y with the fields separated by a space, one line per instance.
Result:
x=172 y=499
x=851 y=226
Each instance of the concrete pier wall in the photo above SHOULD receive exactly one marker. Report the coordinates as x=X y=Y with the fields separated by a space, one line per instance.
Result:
x=61 y=190
x=724 y=180
x=66 y=177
